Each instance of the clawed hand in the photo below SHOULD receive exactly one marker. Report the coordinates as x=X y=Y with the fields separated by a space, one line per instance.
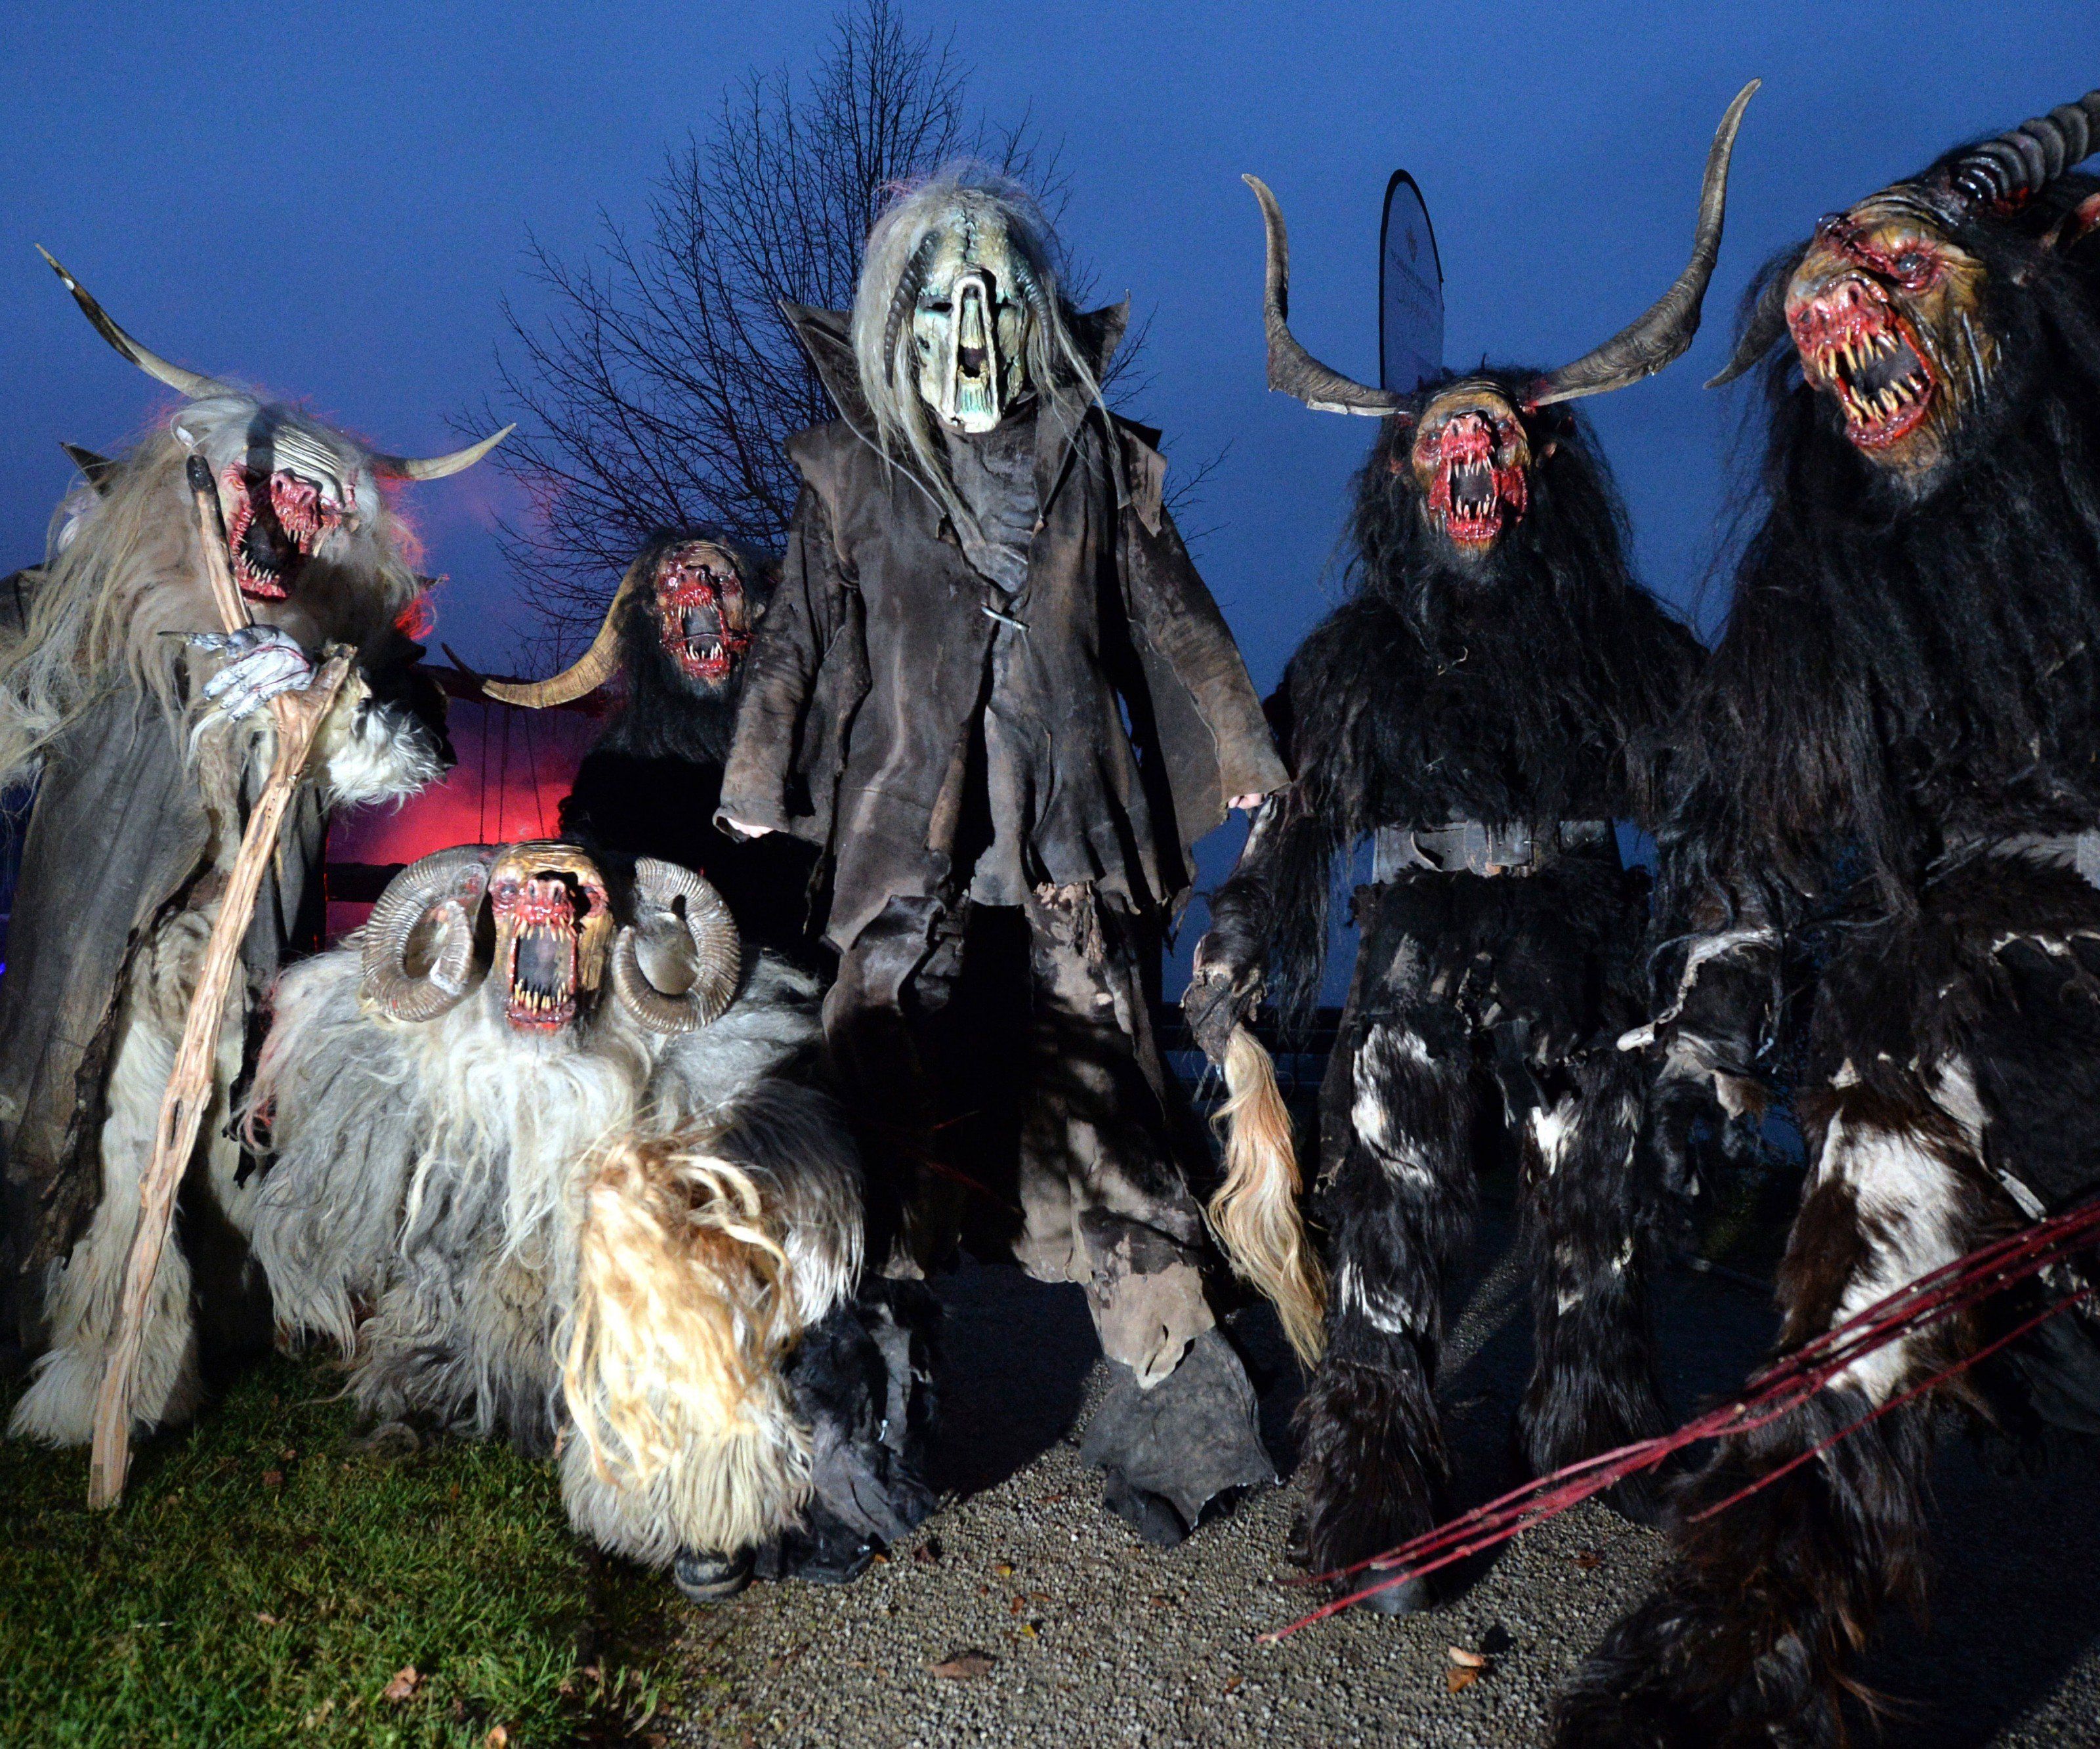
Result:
x=263 y=664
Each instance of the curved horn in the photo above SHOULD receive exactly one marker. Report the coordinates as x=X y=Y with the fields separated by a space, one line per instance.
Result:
x=597 y=666
x=437 y=467
x=1660 y=336
x=189 y=382
x=1292 y=370
x=449 y=885
x=2030 y=157
x=695 y=974
x=1767 y=321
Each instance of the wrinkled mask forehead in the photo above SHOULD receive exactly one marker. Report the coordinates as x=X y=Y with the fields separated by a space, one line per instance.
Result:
x=970 y=323
x=269 y=442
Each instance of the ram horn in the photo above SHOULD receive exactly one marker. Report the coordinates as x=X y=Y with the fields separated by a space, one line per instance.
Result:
x=2001 y=171
x=1292 y=370
x=598 y=664
x=189 y=382
x=418 y=955
x=437 y=467
x=676 y=972
x=1661 y=336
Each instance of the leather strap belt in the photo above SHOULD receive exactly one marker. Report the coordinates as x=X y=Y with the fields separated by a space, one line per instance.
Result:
x=1468 y=846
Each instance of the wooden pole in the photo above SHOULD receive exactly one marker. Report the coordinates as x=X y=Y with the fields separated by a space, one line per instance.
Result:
x=298 y=717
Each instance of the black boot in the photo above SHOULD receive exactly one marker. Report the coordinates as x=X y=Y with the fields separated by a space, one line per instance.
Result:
x=707 y=1578
x=1166 y=1453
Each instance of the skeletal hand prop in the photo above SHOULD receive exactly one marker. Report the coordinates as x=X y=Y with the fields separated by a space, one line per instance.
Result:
x=263 y=662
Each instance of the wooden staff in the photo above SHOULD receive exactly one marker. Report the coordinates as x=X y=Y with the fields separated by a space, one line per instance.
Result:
x=298 y=717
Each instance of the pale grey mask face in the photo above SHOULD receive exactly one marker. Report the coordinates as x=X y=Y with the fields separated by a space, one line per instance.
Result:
x=970 y=326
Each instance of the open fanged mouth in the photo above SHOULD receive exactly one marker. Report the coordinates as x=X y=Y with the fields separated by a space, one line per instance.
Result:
x=542 y=972
x=1855 y=346
x=278 y=520
x=1477 y=481
x=701 y=620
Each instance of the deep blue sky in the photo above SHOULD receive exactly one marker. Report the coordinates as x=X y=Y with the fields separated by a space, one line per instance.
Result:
x=330 y=201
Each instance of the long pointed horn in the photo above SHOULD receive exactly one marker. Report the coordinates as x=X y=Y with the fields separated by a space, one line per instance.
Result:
x=197 y=387
x=437 y=467
x=1292 y=370
x=1661 y=336
x=597 y=665
x=2031 y=155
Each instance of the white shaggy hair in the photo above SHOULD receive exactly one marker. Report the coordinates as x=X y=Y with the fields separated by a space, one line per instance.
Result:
x=604 y=1233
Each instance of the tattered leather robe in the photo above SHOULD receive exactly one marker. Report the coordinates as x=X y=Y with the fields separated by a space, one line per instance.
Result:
x=862 y=706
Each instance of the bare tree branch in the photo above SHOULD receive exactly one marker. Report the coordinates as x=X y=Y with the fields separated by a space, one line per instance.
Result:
x=665 y=382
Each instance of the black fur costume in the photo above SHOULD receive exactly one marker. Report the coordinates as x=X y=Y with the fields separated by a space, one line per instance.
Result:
x=650 y=785
x=1891 y=756
x=863 y=1378
x=1511 y=688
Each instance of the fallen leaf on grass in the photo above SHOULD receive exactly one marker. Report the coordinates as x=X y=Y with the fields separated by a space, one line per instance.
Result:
x=498 y=1737
x=267 y=1619
x=403 y=1687
x=958 y=1665
x=273 y=1478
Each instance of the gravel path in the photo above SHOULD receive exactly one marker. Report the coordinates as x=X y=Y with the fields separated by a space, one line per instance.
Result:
x=1093 y=1639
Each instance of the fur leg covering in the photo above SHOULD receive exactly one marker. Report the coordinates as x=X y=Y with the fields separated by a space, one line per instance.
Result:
x=1586 y=1222
x=1747 y=1639
x=861 y=1381
x=59 y=1408
x=1399 y=1205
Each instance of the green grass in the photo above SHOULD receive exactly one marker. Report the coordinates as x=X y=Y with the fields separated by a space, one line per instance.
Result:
x=263 y=1582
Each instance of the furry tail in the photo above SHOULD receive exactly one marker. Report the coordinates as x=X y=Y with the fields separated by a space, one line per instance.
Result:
x=1254 y=1213
x=685 y=1309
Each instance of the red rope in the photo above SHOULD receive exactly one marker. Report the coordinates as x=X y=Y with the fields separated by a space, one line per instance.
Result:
x=1776 y=1391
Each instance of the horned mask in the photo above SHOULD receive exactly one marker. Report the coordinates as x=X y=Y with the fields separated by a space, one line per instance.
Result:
x=1887 y=308
x=1474 y=448
x=286 y=481
x=694 y=592
x=536 y=929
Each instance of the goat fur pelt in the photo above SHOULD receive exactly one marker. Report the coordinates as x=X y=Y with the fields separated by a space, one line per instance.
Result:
x=606 y=1243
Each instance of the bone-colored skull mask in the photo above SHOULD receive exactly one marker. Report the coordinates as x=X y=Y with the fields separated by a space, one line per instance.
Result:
x=970 y=325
